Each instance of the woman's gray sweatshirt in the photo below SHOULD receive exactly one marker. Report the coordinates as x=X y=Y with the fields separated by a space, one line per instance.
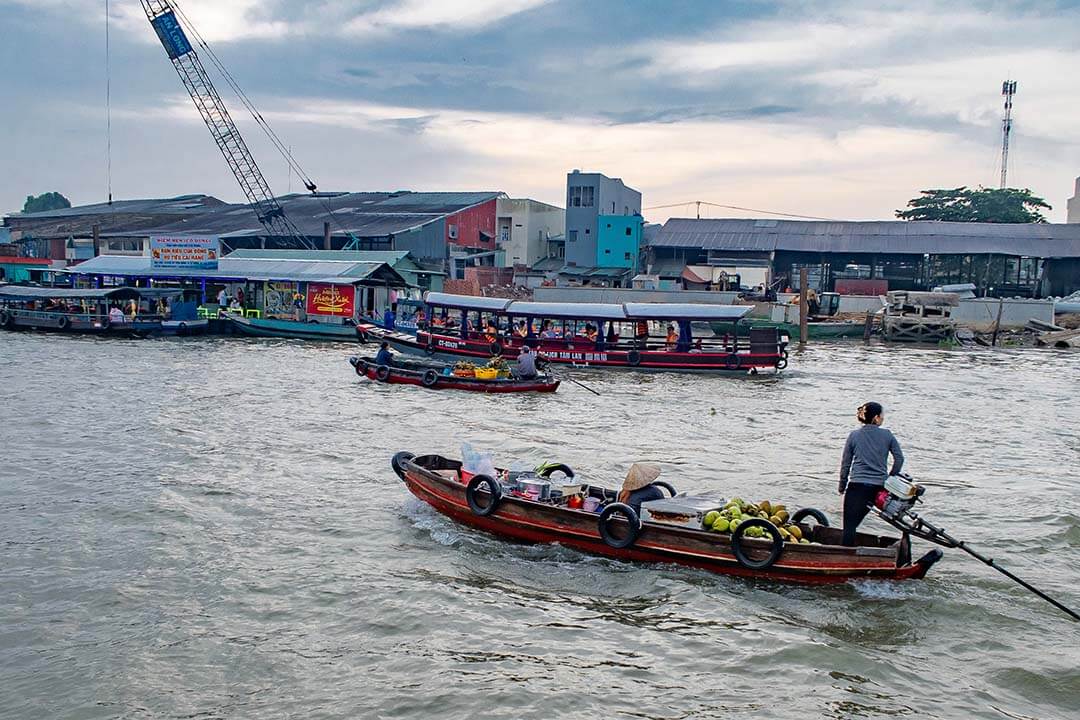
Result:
x=865 y=455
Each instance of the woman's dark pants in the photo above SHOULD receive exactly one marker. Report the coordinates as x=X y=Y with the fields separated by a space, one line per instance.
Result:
x=857 y=501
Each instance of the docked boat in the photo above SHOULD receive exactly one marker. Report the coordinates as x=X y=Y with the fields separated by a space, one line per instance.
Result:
x=292 y=329
x=68 y=310
x=535 y=509
x=628 y=335
x=443 y=377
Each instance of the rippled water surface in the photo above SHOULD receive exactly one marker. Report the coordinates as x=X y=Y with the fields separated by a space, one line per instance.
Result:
x=210 y=528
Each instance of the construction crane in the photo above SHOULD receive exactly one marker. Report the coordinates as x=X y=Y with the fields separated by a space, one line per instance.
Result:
x=163 y=16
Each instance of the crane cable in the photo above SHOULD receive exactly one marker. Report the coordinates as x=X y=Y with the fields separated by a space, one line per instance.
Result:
x=248 y=104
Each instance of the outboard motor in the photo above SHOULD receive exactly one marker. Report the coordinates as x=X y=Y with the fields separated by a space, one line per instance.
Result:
x=898 y=496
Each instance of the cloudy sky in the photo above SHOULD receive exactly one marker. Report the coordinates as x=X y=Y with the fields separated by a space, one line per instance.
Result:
x=841 y=109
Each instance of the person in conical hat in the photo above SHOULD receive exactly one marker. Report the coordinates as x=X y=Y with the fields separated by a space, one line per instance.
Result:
x=638 y=486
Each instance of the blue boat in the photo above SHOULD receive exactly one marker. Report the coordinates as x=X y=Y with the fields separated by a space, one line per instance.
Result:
x=293 y=329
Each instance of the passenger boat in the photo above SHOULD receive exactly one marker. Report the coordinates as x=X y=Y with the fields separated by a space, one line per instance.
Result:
x=592 y=334
x=441 y=377
x=616 y=531
x=68 y=310
x=293 y=329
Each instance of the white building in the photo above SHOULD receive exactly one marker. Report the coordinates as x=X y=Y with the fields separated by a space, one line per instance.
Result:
x=1074 y=204
x=523 y=227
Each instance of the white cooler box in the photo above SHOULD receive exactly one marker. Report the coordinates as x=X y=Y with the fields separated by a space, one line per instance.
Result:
x=682 y=510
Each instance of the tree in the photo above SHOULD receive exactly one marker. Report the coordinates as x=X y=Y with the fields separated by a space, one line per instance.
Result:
x=990 y=205
x=45 y=201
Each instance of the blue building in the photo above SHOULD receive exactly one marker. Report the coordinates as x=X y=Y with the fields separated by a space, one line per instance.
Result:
x=618 y=241
x=588 y=196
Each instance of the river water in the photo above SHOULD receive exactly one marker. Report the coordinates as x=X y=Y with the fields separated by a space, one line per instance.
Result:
x=208 y=528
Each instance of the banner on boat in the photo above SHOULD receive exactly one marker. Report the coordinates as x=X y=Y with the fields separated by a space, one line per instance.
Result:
x=184 y=251
x=327 y=299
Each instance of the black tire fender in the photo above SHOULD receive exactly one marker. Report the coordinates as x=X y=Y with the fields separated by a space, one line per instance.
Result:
x=430 y=347
x=633 y=523
x=493 y=489
x=801 y=515
x=732 y=361
x=496 y=349
x=382 y=372
x=398 y=463
x=633 y=358
x=430 y=378
x=667 y=486
x=63 y=323
x=542 y=363
x=740 y=553
x=182 y=328
x=5 y=318
x=781 y=362
x=360 y=366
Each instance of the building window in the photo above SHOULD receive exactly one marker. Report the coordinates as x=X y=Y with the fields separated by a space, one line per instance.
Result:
x=628 y=233
x=626 y=256
x=607 y=252
x=574 y=199
x=587 y=196
x=626 y=210
x=572 y=236
x=586 y=231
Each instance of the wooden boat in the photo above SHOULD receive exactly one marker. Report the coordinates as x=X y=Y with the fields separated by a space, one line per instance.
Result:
x=68 y=310
x=435 y=377
x=557 y=332
x=293 y=329
x=616 y=531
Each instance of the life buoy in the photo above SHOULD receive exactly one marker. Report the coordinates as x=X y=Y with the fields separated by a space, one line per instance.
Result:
x=63 y=323
x=398 y=463
x=801 y=515
x=732 y=361
x=740 y=552
x=496 y=349
x=633 y=525
x=633 y=358
x=382 y=372
x=667 y=486
x=493 y=490
x=430 y=378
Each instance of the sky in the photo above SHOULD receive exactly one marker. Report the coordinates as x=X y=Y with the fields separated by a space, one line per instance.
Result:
x=842 y=109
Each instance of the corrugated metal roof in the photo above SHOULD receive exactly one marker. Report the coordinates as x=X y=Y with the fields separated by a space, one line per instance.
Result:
x=387 y=256
x=23 y=292
x=366 y=215
x=885 y=236
x=597 y=311
x=345 y=271
x=180 y=205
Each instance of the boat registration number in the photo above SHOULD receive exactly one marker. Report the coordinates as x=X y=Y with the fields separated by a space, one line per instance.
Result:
x=578 y=356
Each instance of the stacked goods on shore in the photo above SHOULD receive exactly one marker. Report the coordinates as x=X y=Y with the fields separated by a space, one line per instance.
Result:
x=738 y=511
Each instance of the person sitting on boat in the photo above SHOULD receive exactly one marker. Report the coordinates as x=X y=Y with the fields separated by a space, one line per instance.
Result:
x=384 y=356
x=526 y=363
x=549 y=332
x=672 y=337
x=590 y=333
x=862 y=468
x=116 y=315
x=421 y=319
x=521 y=330
x=638 y=486
x=641 y=330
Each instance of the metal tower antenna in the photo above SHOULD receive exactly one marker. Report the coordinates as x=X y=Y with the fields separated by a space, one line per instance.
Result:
x=1008 y=89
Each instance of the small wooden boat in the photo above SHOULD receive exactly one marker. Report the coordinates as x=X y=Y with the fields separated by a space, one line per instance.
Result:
x=617 y=531
x=293 y=329
x=436 y=378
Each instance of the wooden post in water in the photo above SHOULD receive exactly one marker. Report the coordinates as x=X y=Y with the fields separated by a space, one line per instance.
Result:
x=997 y=323
x=804 y=306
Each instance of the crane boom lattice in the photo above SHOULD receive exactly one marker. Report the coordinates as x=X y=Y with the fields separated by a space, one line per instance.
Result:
x=193 y=75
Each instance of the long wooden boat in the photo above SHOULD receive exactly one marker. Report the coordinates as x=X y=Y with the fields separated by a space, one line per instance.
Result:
x=293 y=329
x=622 y=334
x=435 y=377
x=471 y=500
x=66 y=310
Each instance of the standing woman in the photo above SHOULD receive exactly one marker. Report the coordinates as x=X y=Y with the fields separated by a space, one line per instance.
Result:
x=862 y=470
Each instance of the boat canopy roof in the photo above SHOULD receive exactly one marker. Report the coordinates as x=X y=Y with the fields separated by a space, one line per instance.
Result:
x=466 y=302
x=19 y=292
x=597 y=311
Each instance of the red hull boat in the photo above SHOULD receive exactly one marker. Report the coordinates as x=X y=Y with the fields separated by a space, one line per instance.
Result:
x=432 y=376
x=482 y=502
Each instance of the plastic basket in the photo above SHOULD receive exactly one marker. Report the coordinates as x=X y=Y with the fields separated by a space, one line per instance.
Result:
x=486 y=373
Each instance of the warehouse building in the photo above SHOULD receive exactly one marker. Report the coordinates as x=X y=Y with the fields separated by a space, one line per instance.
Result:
x=1001 y=260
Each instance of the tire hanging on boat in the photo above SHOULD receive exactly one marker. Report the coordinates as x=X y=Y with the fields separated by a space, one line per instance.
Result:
x=801 y=515
x=781 y=363
x=633 y=358
x=398 y=463
x=360 y=367
x=430 y=378
x=63 y=323
x=430 y=347
x=382 y=372
x=740 y=552
x=667 y=486
x=5 y=319
x=493 y=490
x=733 y=361
x=633 y=525
x=182 y=328
x=496 y=349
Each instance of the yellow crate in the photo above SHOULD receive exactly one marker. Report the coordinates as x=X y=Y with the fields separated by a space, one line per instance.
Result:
x=486 y=373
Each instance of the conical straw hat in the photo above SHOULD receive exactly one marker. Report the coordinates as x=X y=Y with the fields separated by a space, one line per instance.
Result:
x=640 y=475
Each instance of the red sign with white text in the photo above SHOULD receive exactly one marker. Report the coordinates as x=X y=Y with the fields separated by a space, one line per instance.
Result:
x=326 y=299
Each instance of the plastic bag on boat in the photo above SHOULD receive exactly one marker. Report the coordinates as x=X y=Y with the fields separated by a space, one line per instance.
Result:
x=476 y=462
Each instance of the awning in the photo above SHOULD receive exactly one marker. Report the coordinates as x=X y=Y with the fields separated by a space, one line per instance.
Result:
x=596 y=311
x=20 y=292
x=466 y=302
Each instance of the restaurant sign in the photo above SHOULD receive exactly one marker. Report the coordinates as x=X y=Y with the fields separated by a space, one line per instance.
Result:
x=326 y=299
x=198 y=252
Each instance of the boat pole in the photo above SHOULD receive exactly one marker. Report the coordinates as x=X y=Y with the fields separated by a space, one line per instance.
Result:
x=580 y=385
x=804 y=306
x=990 y=561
